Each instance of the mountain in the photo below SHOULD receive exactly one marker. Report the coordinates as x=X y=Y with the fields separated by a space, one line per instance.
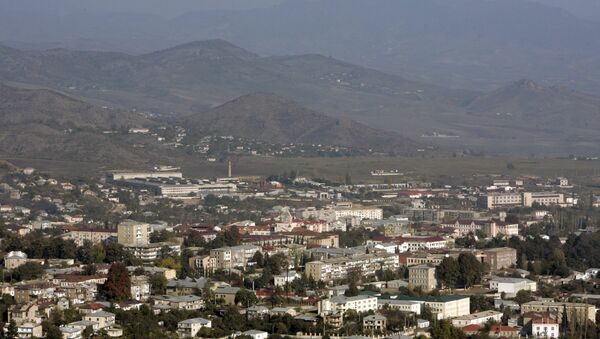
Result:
x=40 y=123
x=476 y=44
x=19 y=106
x=271 y=118
x=535 y=117
x=200 y=75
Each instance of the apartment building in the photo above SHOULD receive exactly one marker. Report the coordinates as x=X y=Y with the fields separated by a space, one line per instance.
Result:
x=340 y=304
x=491 y=228
x=338 y=268
x=500 y=200
x=225 y=258
x=189 y=328
x=133 y=233
x=577 y=313
x=443 y=306
x=422 y=276
x=95 y=236
x=543 y=198
x=500 y=257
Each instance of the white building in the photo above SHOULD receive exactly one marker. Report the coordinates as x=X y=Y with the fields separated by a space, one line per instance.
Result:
x=285 y=278
x=189 y=328
x=477 y=318
x=256 y=334
x=340 y=304
x=545 y=328
x=511 y=286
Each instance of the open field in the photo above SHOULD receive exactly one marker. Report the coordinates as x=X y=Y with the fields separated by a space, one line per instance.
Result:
x=358 y=167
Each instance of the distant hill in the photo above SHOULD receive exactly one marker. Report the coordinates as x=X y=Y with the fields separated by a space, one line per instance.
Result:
x=48 y=125
x=477 y=44
x=527 y=103
x=55 y=110
x=524 y=117
x=271 y=118
x=200 y=75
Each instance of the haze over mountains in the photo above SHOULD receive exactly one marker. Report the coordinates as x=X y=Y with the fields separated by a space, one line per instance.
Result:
x=195 y=77
x=472 y=44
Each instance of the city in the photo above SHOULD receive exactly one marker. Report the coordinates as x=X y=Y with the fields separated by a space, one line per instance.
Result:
x=256 y=257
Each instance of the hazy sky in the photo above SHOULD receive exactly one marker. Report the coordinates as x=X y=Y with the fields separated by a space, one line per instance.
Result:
x=156 y=7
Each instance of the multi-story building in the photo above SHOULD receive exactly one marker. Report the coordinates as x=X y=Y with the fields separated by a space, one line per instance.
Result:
x=340 y=304
x=443 y=306
x=189 y=328
x=181 y=302
x=94 y=235
x=500 y=257
x=577 y=313
x=373 y=213
x=489 y=227
x=226 y=258
x=375 y=322
x=408 y=306
x=422 y=276
x=338 y=268
x=543 y=198
x=545 y=327
x=133 y=233
x=500 y=200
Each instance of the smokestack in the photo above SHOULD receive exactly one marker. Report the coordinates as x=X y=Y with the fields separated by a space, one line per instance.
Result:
x=229 y=170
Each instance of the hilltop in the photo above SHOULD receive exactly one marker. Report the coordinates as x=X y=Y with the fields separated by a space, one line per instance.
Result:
x=271 y=118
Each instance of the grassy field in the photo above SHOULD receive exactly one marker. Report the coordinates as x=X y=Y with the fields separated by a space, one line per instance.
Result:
x=359 y=168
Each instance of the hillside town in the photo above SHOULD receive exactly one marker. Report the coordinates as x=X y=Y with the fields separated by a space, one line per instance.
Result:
x=154 y=254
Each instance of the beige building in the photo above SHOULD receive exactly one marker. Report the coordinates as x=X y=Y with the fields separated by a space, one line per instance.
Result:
x=133 y=233
x=226 y=258
x=103 y=318
x=576 y=312
x=543 y=198
x=189 y=328
x=227 y=294
x=500 y=257
x=422 y=276
x=338 y=268
x=95 y=236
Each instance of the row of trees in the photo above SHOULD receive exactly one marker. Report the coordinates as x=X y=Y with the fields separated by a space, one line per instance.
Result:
x=463 y=272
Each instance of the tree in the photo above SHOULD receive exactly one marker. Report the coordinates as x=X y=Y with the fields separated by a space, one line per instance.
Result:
x=53 y=332
x=258 y=258
x=118 y=284
x=448 y=272
x=28 y=271
x=158 y=283
x=471 y=270
x=245 y=298
x=523 y=296
x=12 y=331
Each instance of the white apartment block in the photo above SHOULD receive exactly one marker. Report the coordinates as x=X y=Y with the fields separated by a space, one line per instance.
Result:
x=443 y=306
x=341 y=304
